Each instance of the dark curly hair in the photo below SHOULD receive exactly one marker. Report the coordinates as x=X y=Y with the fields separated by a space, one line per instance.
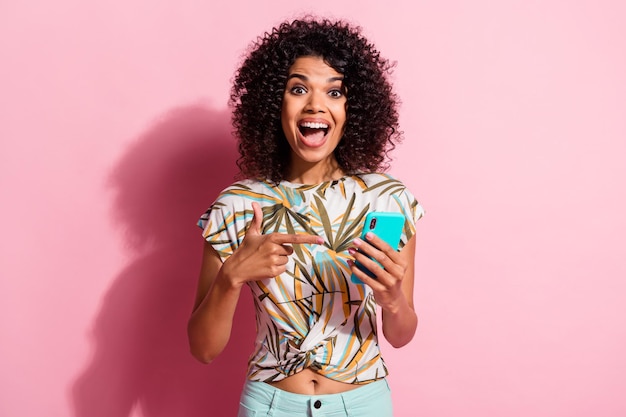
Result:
x=371 y=128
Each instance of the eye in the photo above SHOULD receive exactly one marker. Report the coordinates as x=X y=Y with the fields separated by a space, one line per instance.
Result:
x=298 y=90
x=335 y=93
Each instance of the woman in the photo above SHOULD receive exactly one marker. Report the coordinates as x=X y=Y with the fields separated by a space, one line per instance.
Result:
x=315 y=116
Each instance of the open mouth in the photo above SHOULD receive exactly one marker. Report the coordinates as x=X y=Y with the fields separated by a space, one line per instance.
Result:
x=313 y=132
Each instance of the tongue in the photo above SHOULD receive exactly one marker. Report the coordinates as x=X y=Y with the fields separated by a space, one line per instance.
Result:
x=313 y=136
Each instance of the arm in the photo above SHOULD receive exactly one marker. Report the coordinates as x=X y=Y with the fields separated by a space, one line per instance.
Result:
x=393 y=287
x=216 y=299
x=400 y=319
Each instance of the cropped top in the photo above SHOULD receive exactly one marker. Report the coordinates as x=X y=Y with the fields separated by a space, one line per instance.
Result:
x=312 y=315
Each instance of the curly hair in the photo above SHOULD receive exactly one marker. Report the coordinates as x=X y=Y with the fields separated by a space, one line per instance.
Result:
x=371 y=128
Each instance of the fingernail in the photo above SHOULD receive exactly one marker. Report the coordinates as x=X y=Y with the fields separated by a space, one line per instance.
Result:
x=320 y=240
x=350 y=262
x=357 y=241
x=369 y=235
x=351 y=251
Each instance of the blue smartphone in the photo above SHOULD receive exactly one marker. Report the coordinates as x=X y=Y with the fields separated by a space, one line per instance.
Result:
x=387 y=226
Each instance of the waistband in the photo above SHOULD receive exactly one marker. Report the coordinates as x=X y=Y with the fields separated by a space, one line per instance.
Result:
x=298 y=403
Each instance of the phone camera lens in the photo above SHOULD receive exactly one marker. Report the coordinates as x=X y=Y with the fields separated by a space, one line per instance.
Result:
x=373 y=223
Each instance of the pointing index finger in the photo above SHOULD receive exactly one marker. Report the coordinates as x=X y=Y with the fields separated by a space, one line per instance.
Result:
x=282 y=238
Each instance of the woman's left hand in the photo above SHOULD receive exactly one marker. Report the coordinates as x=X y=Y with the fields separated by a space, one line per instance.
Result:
x=387 y=286
x=393 y=285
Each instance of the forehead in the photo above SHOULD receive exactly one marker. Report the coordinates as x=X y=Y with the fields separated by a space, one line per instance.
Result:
x=313 y=66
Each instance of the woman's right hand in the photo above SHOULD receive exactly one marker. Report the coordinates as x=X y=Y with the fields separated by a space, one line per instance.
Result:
x=262 y=256
x=258 y=257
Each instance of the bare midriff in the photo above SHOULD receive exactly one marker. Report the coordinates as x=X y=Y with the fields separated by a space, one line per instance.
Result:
x=309 y=382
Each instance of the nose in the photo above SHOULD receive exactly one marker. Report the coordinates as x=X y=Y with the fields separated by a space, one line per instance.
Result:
x=315 y=104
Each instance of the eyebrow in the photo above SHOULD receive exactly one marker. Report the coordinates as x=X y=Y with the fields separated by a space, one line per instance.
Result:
x=305 y=78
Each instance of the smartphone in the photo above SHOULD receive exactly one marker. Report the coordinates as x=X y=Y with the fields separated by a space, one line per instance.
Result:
x=388 y=227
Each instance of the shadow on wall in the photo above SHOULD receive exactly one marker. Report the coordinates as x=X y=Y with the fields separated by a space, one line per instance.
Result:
x=162 y=185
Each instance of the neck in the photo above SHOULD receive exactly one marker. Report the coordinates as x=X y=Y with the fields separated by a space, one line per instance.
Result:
x=314 y=173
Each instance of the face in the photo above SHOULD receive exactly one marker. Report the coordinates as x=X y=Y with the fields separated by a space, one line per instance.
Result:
x=313 y=114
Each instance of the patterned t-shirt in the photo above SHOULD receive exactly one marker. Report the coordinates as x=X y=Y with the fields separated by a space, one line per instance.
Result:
x=313 y=315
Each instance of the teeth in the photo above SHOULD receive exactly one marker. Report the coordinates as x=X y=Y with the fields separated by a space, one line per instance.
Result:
x=312 y=125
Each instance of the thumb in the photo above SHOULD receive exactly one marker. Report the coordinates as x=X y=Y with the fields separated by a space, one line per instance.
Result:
x=256 y=225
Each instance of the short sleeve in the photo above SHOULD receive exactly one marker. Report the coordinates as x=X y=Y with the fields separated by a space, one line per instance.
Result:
x=412 y=210
x=220 y=227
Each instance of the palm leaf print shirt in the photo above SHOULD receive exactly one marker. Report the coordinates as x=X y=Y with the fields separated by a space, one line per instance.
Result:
x=312 y=315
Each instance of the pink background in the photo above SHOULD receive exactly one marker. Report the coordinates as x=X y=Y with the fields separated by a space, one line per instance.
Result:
x=115 y=137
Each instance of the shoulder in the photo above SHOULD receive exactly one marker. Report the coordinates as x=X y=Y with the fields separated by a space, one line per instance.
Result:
x=380 y=182
x=244 y=189
x=382 y=187
x=239 y=196
x=245 y=185
x=388 y=193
